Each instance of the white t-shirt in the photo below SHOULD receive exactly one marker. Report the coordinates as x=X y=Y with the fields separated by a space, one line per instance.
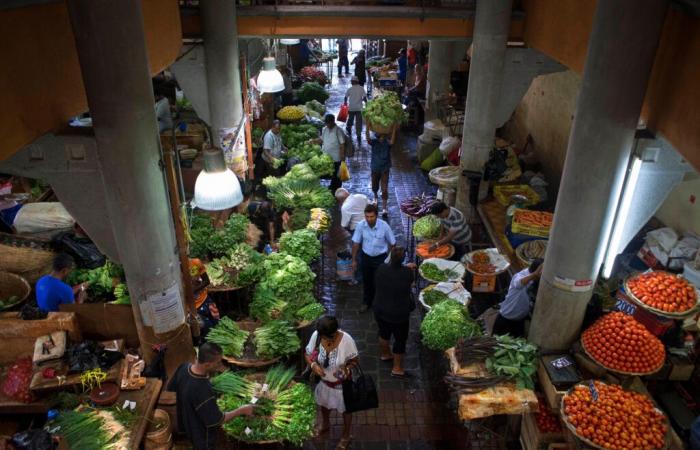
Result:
x=353 y=210
x=332 y=142
x=516 y=305
x=272 y=143
x=355 y=95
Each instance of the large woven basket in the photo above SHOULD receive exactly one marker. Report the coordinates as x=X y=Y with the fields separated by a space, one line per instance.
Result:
x=30 y=258
x=12 y=285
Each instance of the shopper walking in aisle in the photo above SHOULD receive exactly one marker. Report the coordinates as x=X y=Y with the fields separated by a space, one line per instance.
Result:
x=454 y=229
x=331 y=354
x=380 y=166
x=360 y=71
x=402 y=62
x=393 y=304
x=343 y=57
x=273 y=150
x=355 y=98
x=198 y=415
x=372 y=241
x=332 y=142
x=517 y=305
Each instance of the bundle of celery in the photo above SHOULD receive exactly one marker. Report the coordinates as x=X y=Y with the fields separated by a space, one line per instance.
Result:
x=284 y=412
x=229 y=337
x=276 y=338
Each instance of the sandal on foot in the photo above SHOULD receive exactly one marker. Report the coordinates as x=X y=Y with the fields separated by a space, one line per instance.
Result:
x=320 y=431
x=344 y=443
x=404 y=375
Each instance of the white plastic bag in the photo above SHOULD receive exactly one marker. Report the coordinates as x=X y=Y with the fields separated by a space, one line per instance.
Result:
x=448 y=144
x=684 y=251
x=40 y=217
x=666 y=238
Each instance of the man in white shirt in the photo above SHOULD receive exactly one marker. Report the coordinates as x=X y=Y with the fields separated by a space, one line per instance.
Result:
x=273 y=149
x=515 y=308
x=354 y=98
x=332 y=142
x=352 y=208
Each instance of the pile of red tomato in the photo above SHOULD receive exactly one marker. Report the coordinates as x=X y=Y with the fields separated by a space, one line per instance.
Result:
x=547 y=422
x=620 y=343
x=16 y=383
x=617 y=420
x=663 y=291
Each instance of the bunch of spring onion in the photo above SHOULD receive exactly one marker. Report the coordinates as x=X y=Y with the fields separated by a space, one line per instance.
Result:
x=229 y=337
x=83 y=430
x=233 y=384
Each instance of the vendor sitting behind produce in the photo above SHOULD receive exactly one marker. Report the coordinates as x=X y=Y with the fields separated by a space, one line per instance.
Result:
x=454 y=229
x=52 y=290
x=352 y=208
x=198 y=415
x=515 y=308
x=273 y=150
x=262 y=215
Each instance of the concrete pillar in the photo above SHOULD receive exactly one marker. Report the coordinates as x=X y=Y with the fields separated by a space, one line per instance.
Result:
x=221 y=61
x=491 y=27
x=440 y=55
x=111 y=45
x=620 y=55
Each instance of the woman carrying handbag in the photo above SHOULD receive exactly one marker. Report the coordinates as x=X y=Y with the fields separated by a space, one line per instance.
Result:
x=331 y=355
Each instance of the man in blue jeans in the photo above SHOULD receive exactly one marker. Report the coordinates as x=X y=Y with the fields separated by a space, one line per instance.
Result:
x=372 y=240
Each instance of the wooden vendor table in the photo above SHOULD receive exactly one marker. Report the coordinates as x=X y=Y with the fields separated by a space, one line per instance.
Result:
x=145 y=399
x=493 y=215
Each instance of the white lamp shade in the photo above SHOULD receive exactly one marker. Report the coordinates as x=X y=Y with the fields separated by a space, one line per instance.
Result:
x=270 y=79
x=217 y=191
x=289 y=41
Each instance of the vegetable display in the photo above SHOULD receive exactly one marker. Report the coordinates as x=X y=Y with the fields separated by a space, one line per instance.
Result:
x=121 y=295
x=301 y=243
x=322 y=165
x=228 y=335
x=312 y=91
x=83 y=430
x=285 y=411
x=310 y=74
x=276 y=338
x=385 y=110
x=443 y=251
x=310 y=312
x=615 y=419
x=541 y=219
x=207 y=241
x=514 y=358
x=481 y=263
x=299 y=219
x=434 y=296
x=315 y=105
x=101 y=279
x=227 y=270
x=418 y=206
x=291 y=113
x=432 y=272
x=547 y=421
x=620 y=343
x=663 y=291
x=445 y=324
x=300 y=194
x=296 y=134
x=427 y=227
x=319 y=221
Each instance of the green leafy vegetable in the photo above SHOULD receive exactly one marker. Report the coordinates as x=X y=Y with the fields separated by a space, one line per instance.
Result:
x=514 y=358
x=208 y=241
x=384 y=110
x=427 y=227
x=432 y=272
x=228 y=335
x=301 y=243
x=312 y=91
x=433 y=297
x=310 y=312
x=300 y=194
x=83 y=430
x=276 y=338
x=445 y=324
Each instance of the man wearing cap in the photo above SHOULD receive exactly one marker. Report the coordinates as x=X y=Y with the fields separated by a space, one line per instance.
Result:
x=355 y=98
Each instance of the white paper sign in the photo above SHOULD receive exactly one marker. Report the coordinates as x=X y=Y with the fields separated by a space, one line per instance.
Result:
x=167 y=309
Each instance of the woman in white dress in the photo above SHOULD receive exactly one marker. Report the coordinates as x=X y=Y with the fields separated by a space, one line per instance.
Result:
x=331 y=354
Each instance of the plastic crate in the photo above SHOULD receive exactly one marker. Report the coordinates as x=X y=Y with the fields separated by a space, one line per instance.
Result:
x=529 y=229
x=503 y=192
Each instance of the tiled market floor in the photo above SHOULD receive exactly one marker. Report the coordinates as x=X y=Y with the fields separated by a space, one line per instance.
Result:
x=415 y=414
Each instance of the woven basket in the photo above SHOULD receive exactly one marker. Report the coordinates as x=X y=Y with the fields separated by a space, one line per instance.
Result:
x=379 y=129
x=159 y=439
x=30 y=258
x=12 y=285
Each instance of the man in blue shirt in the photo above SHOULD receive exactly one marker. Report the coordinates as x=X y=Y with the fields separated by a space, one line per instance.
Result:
x=516 y=306
x=402 y=62
x=373 y=240
x=52 y=291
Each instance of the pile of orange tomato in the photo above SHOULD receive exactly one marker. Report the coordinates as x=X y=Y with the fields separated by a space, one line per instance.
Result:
x=663 y=291
x=617 y=420
x=619 y=342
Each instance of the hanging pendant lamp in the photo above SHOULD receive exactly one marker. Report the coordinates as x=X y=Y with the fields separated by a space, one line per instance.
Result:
x=217 y=187
x=270 y=79
x=289 y=41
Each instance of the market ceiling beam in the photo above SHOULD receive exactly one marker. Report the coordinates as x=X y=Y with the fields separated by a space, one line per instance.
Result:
x=356 y=22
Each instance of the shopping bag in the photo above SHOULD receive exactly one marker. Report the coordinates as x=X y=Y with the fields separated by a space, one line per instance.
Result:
x=343 y=114
x=343 y=172
x=360 y=392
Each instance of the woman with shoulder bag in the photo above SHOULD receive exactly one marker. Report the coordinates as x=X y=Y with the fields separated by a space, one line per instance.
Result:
x=332 y=354
x=393 y=304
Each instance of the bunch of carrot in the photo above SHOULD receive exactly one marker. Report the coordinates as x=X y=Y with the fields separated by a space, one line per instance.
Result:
x=423 y=250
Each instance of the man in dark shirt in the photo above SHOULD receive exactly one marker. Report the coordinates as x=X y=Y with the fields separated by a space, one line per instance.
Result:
x=343 y=57
x=198 y=415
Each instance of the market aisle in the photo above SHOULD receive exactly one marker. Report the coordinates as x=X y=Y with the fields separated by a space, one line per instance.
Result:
x=412 y=414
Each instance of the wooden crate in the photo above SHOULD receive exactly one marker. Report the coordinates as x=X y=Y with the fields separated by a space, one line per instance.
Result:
x=552 y=394
x=533 y=439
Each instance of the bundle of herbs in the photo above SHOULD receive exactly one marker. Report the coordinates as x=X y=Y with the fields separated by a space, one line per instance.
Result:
x=276 y=338
x=445 y=324
x=84 y=430
x=207 y=242
x=228 y=335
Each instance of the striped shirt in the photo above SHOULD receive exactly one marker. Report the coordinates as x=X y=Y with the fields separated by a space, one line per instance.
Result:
x=455 y=221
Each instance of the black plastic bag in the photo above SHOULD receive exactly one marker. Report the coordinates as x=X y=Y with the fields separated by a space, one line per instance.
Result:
x=83 y=250
x=33 y=440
